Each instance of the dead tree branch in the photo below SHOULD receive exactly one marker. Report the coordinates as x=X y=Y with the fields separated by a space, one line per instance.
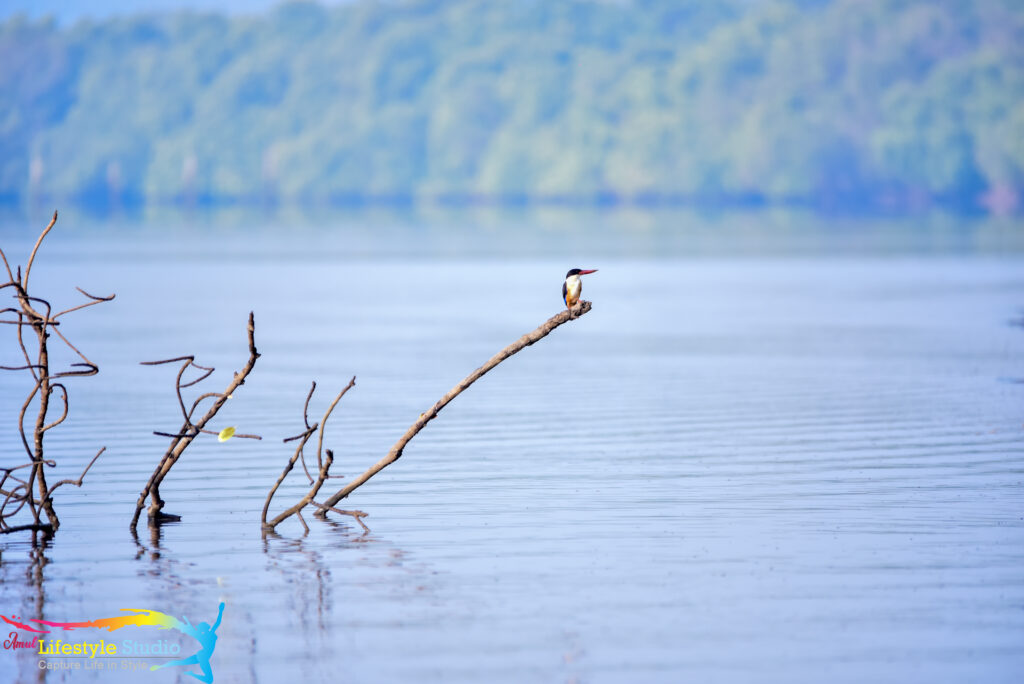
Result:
x=396 y=451
x=36 y=315
x=189 y=430
x=324 y=465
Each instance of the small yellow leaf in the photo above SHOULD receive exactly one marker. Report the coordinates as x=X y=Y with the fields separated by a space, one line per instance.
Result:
x=226 y=434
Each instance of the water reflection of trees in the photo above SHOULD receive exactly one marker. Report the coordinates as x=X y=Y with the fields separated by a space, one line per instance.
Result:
x=309 y=586
x=282 y=616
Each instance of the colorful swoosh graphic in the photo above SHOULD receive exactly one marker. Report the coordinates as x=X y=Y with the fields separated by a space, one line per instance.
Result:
x=137 y=617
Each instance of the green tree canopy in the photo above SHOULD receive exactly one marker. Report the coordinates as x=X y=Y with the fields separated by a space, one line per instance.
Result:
x=841 y=101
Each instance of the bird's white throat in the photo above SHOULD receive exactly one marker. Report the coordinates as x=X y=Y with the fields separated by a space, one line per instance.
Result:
x=573 y=286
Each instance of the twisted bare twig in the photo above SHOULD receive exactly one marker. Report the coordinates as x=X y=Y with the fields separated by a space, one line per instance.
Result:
x=36 y=314
x=189 y=429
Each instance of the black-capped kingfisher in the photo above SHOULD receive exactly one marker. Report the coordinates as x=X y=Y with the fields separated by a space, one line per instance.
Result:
x=573 y=286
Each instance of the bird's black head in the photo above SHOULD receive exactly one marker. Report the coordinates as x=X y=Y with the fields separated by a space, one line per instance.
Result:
x=579 y=271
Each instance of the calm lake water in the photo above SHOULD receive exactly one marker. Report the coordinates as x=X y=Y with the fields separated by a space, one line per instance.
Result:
x=780 y=448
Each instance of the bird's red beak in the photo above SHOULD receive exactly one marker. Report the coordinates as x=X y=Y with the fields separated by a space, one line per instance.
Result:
x=582 y=272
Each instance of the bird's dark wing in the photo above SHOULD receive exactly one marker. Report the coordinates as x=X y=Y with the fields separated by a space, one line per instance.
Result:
x=565 y=293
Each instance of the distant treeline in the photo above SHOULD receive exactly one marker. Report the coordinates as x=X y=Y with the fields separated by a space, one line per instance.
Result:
x=889 y=102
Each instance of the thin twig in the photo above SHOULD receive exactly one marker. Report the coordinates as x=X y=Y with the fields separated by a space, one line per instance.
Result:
x=305 y=407
x=323 y=421
x=32 y=257
x=13 y=495
x=307 y=433
x=177 y=389
x=358 y=515
x=309 y=430
x=236 y=435
x=24 y=350
x=199 y=400
x=208 y=373
x=95 y=300
x=90 y=369
x=73 y=347
x=300 y=451
x=64 y=393
x=78 y=482
x=10 y=276
x=21 y=418
x=162 y=361
x=287 y=469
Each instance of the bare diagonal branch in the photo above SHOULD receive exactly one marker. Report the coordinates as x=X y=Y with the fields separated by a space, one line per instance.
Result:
x=395 y=453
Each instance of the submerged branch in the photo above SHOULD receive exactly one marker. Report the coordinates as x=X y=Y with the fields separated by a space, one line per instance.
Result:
x=325 y=463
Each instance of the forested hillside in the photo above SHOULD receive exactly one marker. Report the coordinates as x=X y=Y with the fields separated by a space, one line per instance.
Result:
x=891 y=102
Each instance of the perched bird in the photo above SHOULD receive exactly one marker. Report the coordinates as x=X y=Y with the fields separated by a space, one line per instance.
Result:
x=572 y=287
